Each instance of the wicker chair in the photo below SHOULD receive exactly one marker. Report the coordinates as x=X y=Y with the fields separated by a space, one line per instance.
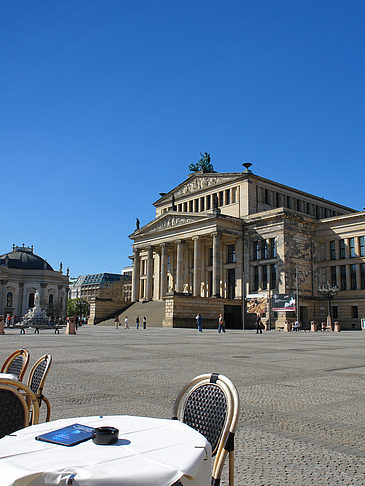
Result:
x=36 y=379
x=210 y=404
x=16 y=403
x=16 y=363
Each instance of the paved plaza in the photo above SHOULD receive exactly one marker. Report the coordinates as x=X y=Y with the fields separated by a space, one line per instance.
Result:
x=302 y=394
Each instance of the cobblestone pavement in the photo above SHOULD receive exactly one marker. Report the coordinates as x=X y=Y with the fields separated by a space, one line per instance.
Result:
x=302 y=394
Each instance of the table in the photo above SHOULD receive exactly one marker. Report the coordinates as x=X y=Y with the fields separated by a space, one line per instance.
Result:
x=149 y=452
x=8 y=376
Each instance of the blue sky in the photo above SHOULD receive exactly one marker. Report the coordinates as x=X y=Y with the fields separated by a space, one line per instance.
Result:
x=103 y=104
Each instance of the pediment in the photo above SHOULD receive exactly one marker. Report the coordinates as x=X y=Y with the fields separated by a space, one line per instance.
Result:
x=199 y=182
x=167 y=221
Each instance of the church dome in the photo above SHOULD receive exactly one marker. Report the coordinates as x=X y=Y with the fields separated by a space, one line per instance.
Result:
x=24 y=258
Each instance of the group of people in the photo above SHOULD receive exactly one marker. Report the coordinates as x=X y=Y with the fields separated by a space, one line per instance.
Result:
x=126 y=324
x=221 y=324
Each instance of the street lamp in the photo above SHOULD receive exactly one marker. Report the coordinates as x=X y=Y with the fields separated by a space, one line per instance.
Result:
x=328 y=291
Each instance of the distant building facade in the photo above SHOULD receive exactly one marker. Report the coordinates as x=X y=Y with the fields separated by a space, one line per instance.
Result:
x=218 y=237
x=22 y=273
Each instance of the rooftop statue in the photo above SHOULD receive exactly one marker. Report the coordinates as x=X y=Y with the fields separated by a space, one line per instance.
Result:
x=203 y=164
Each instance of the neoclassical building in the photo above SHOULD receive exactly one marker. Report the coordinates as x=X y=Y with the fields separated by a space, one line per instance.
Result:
x=218 y=237
x=22 y=273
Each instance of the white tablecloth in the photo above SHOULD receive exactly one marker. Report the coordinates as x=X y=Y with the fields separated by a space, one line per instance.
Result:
x=153 y=452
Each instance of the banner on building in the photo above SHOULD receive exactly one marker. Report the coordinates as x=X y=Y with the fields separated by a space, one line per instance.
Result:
x=256 y=303
x=283 y=303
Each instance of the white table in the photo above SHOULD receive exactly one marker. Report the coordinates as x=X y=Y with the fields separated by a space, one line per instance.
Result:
x=149 y=452
x=8 y=376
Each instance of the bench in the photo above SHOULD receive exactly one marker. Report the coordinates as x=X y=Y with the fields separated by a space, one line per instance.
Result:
x=37 y=328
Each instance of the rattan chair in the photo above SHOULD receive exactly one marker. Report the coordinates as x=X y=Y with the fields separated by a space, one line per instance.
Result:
x=36 y=379
x=17 y=401
x=16 y=363
x=210 y=404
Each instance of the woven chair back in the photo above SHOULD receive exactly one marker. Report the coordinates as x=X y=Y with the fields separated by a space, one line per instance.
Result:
x=38 y=373
x=16 y=363
x=13 y=410
x=205 y=410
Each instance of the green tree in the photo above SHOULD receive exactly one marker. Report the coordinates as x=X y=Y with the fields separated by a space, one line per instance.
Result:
x=204 y=164
x=77 y=307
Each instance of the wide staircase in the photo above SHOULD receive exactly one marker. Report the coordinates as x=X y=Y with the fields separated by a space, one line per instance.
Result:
x=153 y=311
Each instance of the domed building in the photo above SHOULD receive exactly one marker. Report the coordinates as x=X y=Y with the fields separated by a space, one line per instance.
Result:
x=22 y=273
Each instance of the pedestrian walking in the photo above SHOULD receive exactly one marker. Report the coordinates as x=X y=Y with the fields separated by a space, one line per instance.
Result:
x=258 y=325
x=221 y=326
x=137 y=322
x=144 y=321
x=198 y=319
x=126 y=325
x=117 y=322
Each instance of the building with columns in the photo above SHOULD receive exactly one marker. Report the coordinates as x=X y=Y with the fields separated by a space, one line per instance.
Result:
x=218 y=237
x=22 y=273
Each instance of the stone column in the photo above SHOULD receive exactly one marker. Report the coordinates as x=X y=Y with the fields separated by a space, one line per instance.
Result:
x=358 y=277
x=179 y=266
x=135 y=275
x=43 y=295
x=20 y=299
x=338 y=276
x=2 y=325
x=163 y=270
x=268 y=275
x=196 y=274
x=239 y=259
x=216 y=264
x=3 y=284
x=149 y=273
x=337 y=248
x=260 y=277
x=58 y=303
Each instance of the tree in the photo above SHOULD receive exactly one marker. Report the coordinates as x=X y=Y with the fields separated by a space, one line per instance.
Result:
x=203 y=164
x=77 y=307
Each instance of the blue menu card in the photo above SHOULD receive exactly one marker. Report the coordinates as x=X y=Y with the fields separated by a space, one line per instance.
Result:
x=68 y=436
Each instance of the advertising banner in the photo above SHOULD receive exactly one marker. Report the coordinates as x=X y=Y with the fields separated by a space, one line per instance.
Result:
x=256 y=303
x=283 y=302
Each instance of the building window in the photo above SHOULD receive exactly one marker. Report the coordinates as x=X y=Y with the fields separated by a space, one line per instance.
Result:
x=50 y=301
x=353 y=276
x=352 y=247
x=317 y=212
x=264 y=249
x=335 y=311
x=255 y=278
x=362 y=245
x=264 y=277
x=208 y=202
x=277 y=200
x=228 y=196
x=362 y=274
x=266 y=195
x=354 y=312
x=333 y=250
x=196 y=205
x=256 y=252
x=298 y=205
x=273 y=276
x=202 y=204
x=272 y=248
x=234 y=195
x=231 y=283
x=231 y=254
x=210 y=256
x=343 y=277
x=31 y=301
x=342 y=249
x=9 y=299
x=221 y=198
x=333 y=276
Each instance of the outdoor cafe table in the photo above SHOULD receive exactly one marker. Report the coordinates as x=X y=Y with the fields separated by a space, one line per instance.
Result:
x=149 y=452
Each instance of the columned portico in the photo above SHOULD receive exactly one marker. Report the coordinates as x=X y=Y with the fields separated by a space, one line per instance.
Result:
x=135 y=275
x=216 y=264
x=179 y=266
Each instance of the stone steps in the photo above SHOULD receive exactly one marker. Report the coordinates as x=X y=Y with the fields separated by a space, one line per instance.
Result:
x=154 y=312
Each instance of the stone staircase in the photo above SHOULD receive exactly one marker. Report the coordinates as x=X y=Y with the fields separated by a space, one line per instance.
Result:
x=154 y=312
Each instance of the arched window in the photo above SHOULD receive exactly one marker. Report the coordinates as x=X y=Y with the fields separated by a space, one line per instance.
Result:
x=50 y=301
x=9 y=299
x=31 y=300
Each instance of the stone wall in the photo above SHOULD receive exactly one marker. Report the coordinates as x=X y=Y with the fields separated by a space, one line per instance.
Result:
x=101 y=309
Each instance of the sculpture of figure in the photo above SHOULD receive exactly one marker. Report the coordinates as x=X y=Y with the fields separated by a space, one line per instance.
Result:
x=68 y=271
x=173 y=203
x=204 y=164
x=37 y=299
x=215 y=201
x=61 y=267
x=137 y=223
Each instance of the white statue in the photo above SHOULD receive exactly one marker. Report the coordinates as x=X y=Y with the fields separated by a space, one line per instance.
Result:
x=37 y=299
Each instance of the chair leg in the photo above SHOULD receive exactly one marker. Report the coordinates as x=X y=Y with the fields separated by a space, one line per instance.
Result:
x=48 y=408
x=231 y=468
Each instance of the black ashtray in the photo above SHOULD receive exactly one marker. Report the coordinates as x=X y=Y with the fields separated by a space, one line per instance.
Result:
x=105 y=435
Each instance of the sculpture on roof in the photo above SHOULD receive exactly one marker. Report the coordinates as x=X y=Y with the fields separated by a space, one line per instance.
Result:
x=204 y=164
x=137 y=223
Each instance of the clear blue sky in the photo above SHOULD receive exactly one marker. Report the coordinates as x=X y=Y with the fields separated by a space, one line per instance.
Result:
x=103 y=104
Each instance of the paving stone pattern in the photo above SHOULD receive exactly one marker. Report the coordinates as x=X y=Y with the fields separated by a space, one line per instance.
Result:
x=302 y=394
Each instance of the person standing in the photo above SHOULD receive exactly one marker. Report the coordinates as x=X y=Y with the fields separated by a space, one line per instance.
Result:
x=137 y=322
x=144 y=322
x=199 y=322
x=258 y=324
x=116 y=321
x=221 y=326
x=126 y=325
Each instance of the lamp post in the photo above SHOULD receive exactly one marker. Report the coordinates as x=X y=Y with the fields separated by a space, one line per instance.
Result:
x=328 y=291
